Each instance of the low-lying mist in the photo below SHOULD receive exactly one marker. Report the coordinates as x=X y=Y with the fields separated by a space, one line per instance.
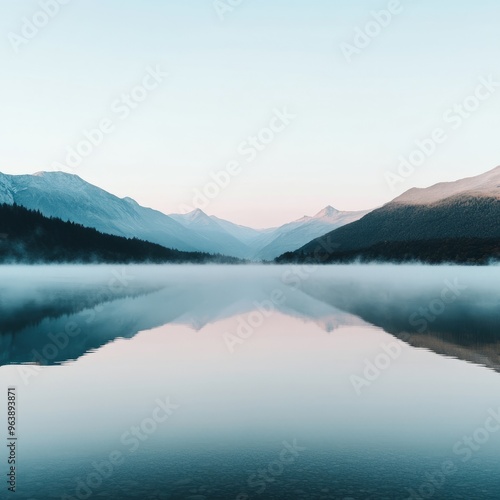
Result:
x=456 y=305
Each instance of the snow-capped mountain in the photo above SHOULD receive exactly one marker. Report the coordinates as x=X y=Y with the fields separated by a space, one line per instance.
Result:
x=68 y=197
x=446 y=213
x=295 y=234
x=486 y=185
x=265 y=244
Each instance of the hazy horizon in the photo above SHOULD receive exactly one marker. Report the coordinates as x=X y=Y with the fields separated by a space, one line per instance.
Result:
x=344 y=107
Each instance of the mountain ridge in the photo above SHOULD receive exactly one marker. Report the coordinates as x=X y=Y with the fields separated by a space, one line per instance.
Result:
x=480 y=185
x=467 y=209
x=71 y=198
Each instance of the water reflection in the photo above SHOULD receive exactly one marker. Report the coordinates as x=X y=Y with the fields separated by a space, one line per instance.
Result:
x=52 y=315
x=143 y=334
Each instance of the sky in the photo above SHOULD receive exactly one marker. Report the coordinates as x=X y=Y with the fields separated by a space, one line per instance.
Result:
x=290 y=105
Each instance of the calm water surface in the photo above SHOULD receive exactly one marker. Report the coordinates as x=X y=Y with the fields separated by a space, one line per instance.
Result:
x=247 y=382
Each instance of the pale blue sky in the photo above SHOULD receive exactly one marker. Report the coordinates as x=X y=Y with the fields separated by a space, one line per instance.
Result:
x=353 y=120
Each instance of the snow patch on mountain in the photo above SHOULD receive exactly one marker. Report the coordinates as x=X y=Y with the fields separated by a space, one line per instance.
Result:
x=484 y=185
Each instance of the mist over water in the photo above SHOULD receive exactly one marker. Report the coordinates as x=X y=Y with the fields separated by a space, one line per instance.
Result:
x=374 y=372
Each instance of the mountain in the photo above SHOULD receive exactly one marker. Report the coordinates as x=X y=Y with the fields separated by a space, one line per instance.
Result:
x=6 y=190
x=27 y=236
x=247 y=235
x=453 y=217
x=486 y=185
x=263 y=244
x=295 y=234
x=215 y=237
x=70 y=198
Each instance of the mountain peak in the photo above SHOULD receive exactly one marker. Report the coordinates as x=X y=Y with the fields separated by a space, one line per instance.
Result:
x=196 y=217
x=328 y=211
x=130 y=200
x=197 y=213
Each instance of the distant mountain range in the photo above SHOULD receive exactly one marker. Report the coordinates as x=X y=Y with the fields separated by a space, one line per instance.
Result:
x=70 y=198
x=294 y=234
x=449 y=222
x=454 y=221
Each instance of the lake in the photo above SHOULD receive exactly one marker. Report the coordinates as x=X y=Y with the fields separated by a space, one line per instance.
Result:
x=248 y=382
